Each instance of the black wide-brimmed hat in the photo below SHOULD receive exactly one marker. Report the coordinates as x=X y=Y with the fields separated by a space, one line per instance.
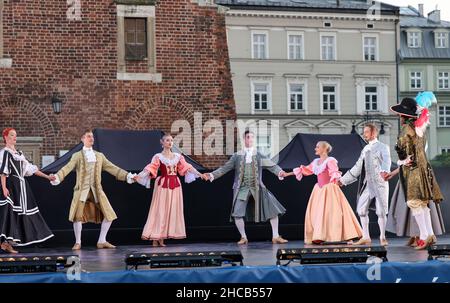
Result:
x=407 y=107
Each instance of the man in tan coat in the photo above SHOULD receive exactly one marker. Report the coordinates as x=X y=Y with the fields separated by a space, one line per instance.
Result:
x=89 y=203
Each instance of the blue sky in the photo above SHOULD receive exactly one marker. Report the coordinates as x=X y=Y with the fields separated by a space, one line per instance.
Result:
x=443 y=5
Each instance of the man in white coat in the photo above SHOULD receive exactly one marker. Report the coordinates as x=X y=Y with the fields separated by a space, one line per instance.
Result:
x=372 y=168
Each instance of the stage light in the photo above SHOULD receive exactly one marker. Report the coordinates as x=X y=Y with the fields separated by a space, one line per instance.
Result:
x=34 y=263
x=438 y=251
x=330 y=255
x=183 y=259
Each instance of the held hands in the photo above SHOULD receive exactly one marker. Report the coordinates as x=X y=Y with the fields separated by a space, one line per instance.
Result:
x=385 y=176
x=136 y=178
x=283 y=174
x=51 y=177
x=205 y=176
x=287 y=174
x=388 y=176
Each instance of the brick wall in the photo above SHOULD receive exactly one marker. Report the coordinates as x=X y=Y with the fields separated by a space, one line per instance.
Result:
x=78 y=60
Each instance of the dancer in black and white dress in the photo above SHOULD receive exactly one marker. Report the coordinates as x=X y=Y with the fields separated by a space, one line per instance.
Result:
x=21 y=223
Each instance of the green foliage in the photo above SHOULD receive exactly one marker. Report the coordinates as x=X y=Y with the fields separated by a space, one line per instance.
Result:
x=442 y=160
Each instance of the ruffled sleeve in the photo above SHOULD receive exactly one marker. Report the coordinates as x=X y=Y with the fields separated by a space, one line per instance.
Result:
x=30 y=169
x=333 y=170
x=301 y=171
x=4 y=159
x=187 y=170
x=149 y=172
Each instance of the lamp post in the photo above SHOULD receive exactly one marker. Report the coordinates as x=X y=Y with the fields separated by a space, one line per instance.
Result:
x=367 y=118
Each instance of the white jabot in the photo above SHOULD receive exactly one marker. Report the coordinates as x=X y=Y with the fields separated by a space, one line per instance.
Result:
x=89 y=154
x=373 y=141
x=248 y=154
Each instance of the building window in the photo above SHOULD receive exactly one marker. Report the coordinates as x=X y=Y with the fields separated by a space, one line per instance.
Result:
x=329 y=98
x=444 y=116
x=295 y=47
x=415 y=80
x=263 y=145
x=441 y=39
x=445 y=150
x=296 y=96
x=370 y=48
x=260 y=45
x=135 y=38
x=371 y=98
x=414 y=39
x=261 y=96
x=328 y=47
x=443 y=80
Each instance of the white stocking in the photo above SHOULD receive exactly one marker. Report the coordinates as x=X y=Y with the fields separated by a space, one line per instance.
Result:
x=365 y=226
x=419 y=215
x=382 y=224
x=240 y=226
x=104 y=231
x=274 y=223
x=428 y=223
x=77 y=227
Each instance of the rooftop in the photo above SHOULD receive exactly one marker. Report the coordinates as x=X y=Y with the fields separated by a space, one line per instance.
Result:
x=307 y=5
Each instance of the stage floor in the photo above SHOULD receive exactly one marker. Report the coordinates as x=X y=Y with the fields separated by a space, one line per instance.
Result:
x=255 y=253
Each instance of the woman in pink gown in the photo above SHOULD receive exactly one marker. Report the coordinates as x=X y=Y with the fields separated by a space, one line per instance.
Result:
x=166 y=218
x=329 y=217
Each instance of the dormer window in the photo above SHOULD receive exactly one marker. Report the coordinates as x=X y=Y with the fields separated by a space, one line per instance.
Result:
x=414 y=39
x=441 y=39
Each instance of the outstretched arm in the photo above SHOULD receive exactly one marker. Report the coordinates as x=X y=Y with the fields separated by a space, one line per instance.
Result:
x=149 y=172
x=302 y=170
x=120 y=174
x=63 y=172
x=223 y=170
x=353 y=174
x=272 y=167
x=187 y=170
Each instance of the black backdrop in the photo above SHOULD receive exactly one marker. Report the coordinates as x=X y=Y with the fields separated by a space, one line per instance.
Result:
x=207 y=205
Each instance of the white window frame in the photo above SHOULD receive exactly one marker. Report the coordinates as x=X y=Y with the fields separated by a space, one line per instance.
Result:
x=376 y=94
x=302 y=47
x=4 y=62
x=269 y=96
x=327 y=34
x=377 y=49
x=337 y=84
x=382 y=85
x=410 y=78
x=442 y=148
x=443 y=80
x=419 y=39
x=438 y=39
x=445 y=116
x=269 y=142
x=303 y=82
x=266 y=49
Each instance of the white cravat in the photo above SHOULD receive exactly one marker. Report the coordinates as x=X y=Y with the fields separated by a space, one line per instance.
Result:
x=373 y=141
x=89 y=154
x=248 y=154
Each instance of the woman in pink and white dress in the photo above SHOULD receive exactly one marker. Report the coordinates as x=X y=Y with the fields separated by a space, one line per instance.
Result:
x=166 y=218
x=329 y=216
